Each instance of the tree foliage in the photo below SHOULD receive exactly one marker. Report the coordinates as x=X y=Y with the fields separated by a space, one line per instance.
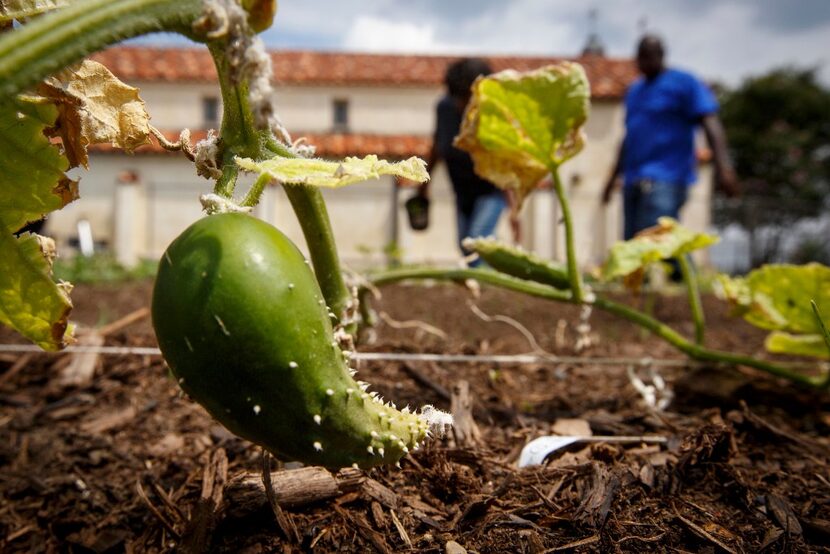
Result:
x=778 y=126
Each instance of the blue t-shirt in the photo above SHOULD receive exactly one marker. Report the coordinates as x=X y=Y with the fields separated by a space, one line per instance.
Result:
x=660 y=121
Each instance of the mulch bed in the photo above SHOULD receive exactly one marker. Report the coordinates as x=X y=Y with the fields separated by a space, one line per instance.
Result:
x=126 y=463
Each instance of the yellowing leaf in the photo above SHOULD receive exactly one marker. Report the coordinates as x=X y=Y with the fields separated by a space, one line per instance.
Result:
x=518 y=127
x=260 y=13
x=30 y=301
x=757 y=307
x=32 y=178
x=778 y=298
x=32 y=183
x=323 y=173
x=668 y=239
x=21 y=9
x=96 y=107
x=779 y=342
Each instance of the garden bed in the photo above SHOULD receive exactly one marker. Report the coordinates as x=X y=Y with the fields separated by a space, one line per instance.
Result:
x=126 y=463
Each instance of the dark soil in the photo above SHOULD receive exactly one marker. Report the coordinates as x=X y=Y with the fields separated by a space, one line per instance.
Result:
x=121 y=464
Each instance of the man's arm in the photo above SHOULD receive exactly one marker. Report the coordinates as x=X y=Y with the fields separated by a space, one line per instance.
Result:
x=725 y=178
x=614 y=178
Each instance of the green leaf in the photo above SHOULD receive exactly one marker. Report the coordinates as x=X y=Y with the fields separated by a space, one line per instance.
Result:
x=518 y=127
x=32 y=183
x=30 y=301
x=779 y=342
x=758 y=308
x=777 y=297
x=668 y=239
x=785 y=299
x=32 y=178
x=20 y=9
x=323 y=173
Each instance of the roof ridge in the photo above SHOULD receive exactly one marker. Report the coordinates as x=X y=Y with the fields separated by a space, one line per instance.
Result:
x=609 y=77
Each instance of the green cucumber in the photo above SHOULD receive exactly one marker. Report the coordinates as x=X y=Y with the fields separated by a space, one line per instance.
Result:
x=519 y=263
x=242 y=324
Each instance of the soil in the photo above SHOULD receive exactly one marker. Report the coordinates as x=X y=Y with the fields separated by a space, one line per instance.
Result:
x=126 y=463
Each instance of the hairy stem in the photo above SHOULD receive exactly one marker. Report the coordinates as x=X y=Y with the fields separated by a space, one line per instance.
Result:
x=227 y=182
x=60 y=38
x=697 y=351
x=658 y=328
x=311 y=212
x=573 y=270
x=238 y=133
x=693 y=290
x=255 y=192
x=487 y=276
x=310 y=209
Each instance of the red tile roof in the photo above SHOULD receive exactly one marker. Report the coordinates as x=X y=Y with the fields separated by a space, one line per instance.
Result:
x=334 y=145
x=329 y=145
x=609 y=77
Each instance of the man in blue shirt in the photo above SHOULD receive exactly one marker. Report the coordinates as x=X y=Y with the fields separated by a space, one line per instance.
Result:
x=657 y=160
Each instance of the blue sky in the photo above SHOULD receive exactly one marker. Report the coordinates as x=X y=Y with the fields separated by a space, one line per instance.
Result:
x=725 y=40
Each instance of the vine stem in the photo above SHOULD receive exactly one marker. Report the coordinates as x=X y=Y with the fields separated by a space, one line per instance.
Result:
x=573 y=271
x=689 y=274
x=240 y=138
x=238 y=133
x=60 y=38
x=658 y=328
x=255 y=192
x=310 y=208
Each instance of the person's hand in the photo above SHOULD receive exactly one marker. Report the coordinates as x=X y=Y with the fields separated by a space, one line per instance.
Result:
x=726 y=181
x=422 y=189
x=613 y=183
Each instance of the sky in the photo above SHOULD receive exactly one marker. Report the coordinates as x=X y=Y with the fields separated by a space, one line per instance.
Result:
x=722 y=40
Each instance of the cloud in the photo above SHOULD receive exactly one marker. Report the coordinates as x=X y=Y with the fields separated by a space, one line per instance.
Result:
x=724 y=40
x=375 y=34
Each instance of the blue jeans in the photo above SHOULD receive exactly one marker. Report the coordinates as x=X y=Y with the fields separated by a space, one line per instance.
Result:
x=479 y=219
x=645 y=201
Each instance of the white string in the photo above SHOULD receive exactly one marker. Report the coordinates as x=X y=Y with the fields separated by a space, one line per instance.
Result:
x=506 y=359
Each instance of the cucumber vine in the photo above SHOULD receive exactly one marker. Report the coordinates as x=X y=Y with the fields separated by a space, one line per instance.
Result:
x=282 y=379
x=288 y=386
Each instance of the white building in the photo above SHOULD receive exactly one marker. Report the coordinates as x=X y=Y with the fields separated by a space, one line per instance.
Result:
x=346 y=104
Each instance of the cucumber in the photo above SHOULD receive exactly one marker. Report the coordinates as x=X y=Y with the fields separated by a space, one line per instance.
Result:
x=519 y=263
x=241 y=322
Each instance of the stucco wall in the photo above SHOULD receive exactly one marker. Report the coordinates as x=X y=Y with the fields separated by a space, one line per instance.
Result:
x=392 y=110
x=368 y=217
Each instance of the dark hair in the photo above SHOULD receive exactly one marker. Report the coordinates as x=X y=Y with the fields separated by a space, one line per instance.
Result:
x=651 y=42
x=462 y=73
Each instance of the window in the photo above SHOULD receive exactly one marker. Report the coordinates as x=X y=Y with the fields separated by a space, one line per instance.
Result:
x=210 y=111
x=341 y=115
